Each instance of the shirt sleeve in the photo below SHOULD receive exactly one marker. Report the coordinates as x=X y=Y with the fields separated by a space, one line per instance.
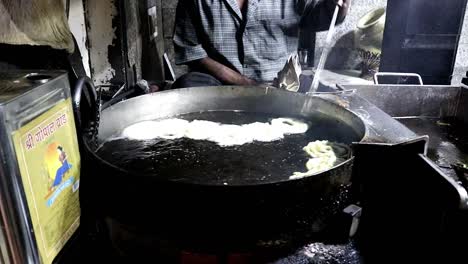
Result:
x=187 y=46
x=317 y=14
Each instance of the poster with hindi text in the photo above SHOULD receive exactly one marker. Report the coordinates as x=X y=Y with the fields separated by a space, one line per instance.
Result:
x=49 y=163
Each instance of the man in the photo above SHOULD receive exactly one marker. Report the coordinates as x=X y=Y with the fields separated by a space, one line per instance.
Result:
x=62 y=156
x=243 y=42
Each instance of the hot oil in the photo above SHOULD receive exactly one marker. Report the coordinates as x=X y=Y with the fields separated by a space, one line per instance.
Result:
x=205 y=162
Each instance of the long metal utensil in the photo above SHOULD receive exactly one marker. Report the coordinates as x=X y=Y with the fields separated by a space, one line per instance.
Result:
x=325 y=52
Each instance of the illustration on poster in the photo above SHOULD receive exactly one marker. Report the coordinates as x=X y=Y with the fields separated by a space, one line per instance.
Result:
x=63 y=169
x=58 y=165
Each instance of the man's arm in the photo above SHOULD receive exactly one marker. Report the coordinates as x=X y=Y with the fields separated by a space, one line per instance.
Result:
x=221 y=72
x=344 y=8
x=189 y=49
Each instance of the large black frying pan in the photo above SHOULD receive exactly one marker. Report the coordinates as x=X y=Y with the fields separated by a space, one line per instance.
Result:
x=198 y=214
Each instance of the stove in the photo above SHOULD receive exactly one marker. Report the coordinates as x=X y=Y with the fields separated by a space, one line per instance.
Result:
x=319 y=253
x=90 y=251
x=337 y=244
x=440 y=112
x=401 y=199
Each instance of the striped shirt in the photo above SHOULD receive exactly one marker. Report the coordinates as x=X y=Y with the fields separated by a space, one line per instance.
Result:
x=256 y=45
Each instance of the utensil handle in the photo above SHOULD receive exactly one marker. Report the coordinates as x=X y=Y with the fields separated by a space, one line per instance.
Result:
x=398 y=74
x=84 y=86
x=325 y=52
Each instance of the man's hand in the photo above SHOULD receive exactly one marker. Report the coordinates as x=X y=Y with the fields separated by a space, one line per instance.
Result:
x=343 y=3
x=221 y=72
x=247 y=81
x=344 y=7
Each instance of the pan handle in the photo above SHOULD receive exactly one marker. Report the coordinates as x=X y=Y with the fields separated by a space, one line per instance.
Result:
x=86 y=111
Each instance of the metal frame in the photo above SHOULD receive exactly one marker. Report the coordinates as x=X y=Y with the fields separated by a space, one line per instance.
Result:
x=399 y=74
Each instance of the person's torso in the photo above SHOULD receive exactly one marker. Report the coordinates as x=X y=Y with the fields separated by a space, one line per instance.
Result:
x=257 y=44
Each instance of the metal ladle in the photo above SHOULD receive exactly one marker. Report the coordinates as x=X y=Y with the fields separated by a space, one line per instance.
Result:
x=325 y=52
